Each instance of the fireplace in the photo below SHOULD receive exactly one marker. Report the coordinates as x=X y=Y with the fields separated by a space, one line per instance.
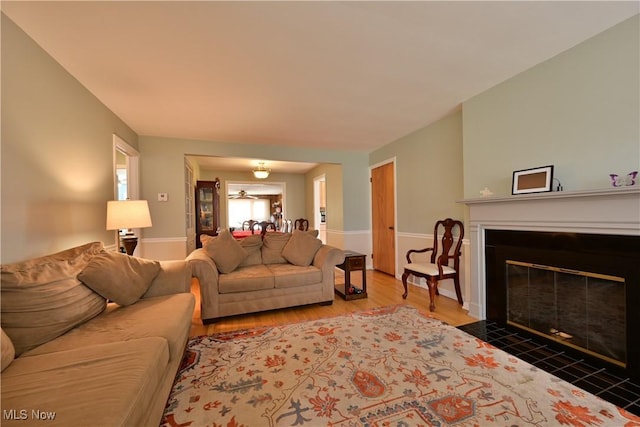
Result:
x=575 y=256
x=577 y=289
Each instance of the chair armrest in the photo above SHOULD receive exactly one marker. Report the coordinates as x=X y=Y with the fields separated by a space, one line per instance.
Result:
x=416 y=251
x=174 y=277
x=203 y=267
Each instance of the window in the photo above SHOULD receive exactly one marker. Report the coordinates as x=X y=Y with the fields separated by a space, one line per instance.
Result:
x=241 y=210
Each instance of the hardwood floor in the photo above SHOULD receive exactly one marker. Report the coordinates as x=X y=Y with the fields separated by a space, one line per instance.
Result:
x=382 y=290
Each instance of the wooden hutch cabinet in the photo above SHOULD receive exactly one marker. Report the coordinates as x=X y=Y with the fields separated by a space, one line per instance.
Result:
x=207 y=209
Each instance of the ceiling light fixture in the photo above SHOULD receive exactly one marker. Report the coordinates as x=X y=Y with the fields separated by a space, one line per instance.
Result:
x=261 y=172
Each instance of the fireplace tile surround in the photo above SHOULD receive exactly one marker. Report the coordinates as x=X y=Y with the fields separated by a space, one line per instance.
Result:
x=610 y=212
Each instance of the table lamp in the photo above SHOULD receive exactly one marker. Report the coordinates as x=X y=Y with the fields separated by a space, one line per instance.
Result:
x=125 y=215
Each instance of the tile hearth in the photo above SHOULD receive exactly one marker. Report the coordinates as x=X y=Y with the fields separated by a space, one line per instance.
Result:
x=590 y=374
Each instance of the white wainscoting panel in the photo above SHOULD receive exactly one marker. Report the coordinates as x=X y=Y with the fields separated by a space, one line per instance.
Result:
x=163 y=249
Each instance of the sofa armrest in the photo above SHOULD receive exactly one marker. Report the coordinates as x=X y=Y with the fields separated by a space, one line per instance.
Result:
x=206 y=271
x=328 y=257
x=203 y=267
x=174 y=277
x=326 y=260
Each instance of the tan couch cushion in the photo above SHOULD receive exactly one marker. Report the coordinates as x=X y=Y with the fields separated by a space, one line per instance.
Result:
x=253 y=245
x=245 y=279
x=291 y=276
x=225 y=251
x=8 y=351
x=301 y=248
x=119 y=277
x=168 y=317
x=273 y=243
x=102 y=385
x=42 y=298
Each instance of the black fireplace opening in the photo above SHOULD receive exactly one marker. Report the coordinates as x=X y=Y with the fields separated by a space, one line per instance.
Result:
x=579 y=290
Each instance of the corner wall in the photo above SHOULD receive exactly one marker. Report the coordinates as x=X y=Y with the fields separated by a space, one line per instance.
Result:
x=57 y=154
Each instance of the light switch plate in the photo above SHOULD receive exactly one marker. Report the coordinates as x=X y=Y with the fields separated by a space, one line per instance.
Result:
x=163 y=197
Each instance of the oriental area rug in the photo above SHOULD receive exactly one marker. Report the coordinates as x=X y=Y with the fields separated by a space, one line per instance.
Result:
x=393 y=366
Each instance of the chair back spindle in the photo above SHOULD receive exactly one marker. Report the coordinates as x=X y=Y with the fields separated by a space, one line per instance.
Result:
x=301 y=224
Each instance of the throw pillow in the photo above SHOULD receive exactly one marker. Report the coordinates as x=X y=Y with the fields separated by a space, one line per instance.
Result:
x=8 y=351
x=272 y=245
x=301 y=248
x=42 y=298
x=253 y=245
x=205 y=238
x=118 y=277
x=225 y=251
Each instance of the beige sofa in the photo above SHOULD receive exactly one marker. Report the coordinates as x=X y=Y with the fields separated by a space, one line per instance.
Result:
x=261 y=273
x=69 y=358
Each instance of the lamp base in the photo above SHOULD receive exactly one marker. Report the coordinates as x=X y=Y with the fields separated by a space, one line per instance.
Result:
x=129 y=242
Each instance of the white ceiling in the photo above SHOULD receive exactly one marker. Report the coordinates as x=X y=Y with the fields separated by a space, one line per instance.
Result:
x=344 y=75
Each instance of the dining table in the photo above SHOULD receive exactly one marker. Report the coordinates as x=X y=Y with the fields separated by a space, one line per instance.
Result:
x=241 y=234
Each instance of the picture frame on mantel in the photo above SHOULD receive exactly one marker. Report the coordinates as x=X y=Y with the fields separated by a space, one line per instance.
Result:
x=534 y=180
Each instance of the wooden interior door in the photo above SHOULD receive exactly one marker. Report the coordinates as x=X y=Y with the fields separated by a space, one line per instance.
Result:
x=383 y=217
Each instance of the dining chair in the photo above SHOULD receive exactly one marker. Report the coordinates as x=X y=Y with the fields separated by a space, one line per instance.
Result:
x=248 y=224
x=301 y=224
x=264 y=226
x=445 y=250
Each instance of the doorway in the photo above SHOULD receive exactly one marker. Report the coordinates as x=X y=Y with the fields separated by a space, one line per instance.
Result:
x=320 y=207
x=249 y=200
x=126 y=177
x=383 y=211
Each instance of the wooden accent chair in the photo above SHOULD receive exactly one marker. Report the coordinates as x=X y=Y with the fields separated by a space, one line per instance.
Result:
x=439 y=268
x=263 y=226
x=301 y=224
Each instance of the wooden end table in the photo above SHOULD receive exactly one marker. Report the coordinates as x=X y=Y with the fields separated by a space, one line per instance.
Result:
x=353 y=261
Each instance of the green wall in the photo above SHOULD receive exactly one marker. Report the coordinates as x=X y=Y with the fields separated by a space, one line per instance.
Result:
x=578 y=111
x=428 y=174
x=162 y=170
x=57 y=154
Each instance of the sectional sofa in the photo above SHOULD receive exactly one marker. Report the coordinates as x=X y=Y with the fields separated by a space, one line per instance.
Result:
x=91 y=337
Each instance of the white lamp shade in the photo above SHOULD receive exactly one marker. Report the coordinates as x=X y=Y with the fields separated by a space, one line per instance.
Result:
x=122 y=214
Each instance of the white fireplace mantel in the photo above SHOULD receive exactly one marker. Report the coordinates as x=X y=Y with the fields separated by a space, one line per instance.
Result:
x=609 y=211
